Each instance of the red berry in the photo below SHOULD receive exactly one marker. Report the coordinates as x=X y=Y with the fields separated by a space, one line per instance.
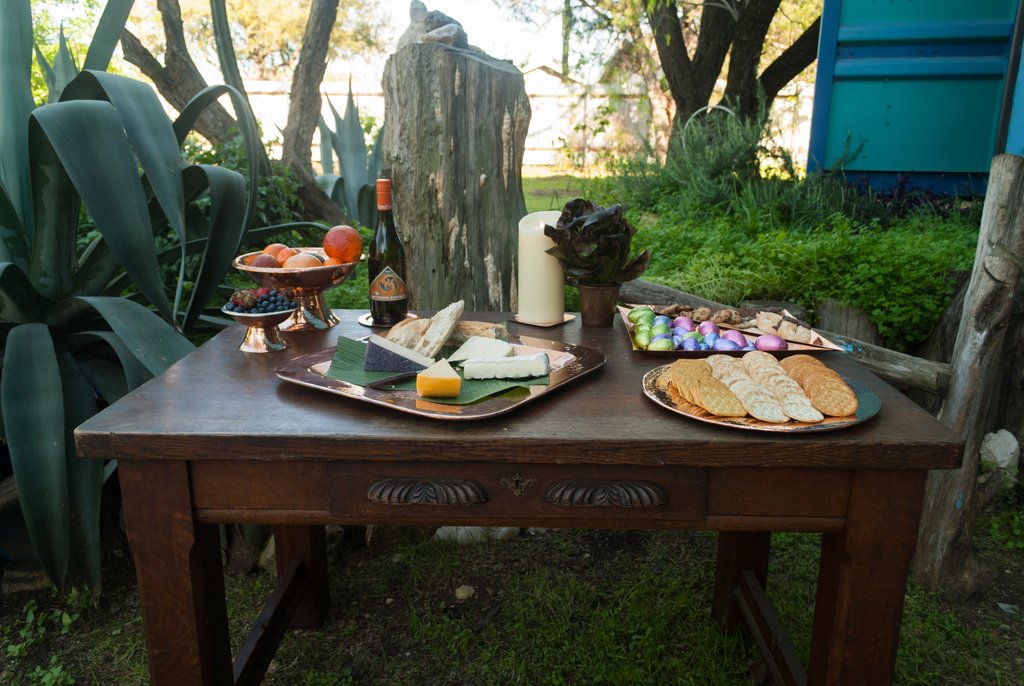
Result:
x=262 y=291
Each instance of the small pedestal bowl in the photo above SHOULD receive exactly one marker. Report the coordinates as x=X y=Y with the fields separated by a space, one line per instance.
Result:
x=308 y=285
x=263 y=334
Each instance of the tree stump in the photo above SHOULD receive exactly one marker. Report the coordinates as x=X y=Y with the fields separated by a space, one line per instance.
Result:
x=944 y=556
x=833 y=315
x=454 y=136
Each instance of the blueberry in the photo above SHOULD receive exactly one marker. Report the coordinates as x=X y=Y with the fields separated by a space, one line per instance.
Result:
x=273 y=293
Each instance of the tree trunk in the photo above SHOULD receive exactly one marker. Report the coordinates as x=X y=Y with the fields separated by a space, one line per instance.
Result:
x=797 y=57
x=943 y=558
x=691 y=82
x=747 y=46
x=178 y=79
x=304 y=100
x=454 y=136
x=848 y=321
x=1010 y=402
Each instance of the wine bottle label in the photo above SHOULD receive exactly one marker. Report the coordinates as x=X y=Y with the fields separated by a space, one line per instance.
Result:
x=388 y=286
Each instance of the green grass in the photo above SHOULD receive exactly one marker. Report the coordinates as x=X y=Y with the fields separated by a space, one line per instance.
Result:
x=551 y=192
x=557 y=607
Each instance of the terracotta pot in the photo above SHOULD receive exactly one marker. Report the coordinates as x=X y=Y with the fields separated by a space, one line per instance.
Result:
x=597 y=304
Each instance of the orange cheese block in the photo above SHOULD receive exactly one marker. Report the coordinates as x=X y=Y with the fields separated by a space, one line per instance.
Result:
x=439 y=381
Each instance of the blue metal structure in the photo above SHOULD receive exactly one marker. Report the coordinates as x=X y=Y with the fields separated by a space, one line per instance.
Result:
x=917 y=89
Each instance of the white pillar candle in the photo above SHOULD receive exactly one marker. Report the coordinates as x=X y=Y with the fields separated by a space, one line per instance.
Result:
x=541 y=284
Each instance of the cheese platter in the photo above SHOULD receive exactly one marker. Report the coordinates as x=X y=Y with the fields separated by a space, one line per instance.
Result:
x=567 y=363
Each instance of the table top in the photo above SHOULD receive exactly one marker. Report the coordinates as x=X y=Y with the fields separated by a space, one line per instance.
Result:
x=222 y=404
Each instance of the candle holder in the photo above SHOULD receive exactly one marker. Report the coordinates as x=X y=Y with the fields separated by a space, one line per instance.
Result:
x=540 y=282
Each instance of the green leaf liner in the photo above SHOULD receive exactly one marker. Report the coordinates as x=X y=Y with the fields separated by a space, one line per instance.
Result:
x=347 y=366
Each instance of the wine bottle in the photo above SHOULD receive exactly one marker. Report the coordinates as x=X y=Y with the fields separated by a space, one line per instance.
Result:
x=389 y=294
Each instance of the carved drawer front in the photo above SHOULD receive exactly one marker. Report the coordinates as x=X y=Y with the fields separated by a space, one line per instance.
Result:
x=509 y=494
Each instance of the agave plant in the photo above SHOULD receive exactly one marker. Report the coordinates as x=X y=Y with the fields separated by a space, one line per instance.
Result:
x=352 y=188
x=72 y=341
x=593 y=245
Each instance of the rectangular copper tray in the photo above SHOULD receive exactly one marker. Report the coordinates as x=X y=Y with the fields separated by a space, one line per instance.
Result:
x=794 y=347
x=568 y=363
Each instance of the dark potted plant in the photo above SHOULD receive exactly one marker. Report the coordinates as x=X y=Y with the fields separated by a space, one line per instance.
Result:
x=593 y=245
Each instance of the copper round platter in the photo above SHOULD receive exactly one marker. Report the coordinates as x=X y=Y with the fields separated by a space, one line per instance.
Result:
x=656 y=387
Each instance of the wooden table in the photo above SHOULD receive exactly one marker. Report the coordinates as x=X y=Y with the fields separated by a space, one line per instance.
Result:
x=219 y=439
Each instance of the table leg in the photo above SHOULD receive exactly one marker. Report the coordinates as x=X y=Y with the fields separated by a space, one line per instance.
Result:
x=181 y=581
x=862 y=580
x=738 y=551
x=309 y=545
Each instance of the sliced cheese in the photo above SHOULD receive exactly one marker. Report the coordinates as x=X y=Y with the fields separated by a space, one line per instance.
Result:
x=519 y=367
x=383 y=355
x=478 y=346
x=439 y=380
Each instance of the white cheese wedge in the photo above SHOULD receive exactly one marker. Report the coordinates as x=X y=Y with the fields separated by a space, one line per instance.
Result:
x=519 y=367
x=439 y=380
x=478 y=346
x=383 y=355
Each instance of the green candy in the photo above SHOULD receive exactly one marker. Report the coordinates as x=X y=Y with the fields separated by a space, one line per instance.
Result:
x=638 y=314
x=661 y=344
x=642 y=337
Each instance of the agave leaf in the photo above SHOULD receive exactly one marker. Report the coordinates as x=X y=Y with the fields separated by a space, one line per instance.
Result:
x=367 y=203
x=326 y=143
x=107 y=34
x=334 y=187
x=227 y=202
x=132 y=372
x=152 y=340
x=352 y=156
x=225 y=49
x=81 y=132
x=84 y=477
x=375 y=164
x=149 y=131
x=264 y=232
x=54 y=250
x=96 y=269
x=253 y=146
x=13 y=247
x=33 y=412
x=104 y=374
x=20 y=302
x=49 y=76
x=15 y=106
x=64 y=68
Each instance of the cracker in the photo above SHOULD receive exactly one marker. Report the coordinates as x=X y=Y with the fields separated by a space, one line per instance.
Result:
x=759 y=403
x=834 y=398
x=828 y=392
x=686 y=374
x=714 y=397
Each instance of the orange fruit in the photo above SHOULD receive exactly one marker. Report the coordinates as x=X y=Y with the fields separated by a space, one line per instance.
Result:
x=344 y=243
x=284 y=253
x=303 y=260
x=274 y=248
x=265 y=260
x=332 y=262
